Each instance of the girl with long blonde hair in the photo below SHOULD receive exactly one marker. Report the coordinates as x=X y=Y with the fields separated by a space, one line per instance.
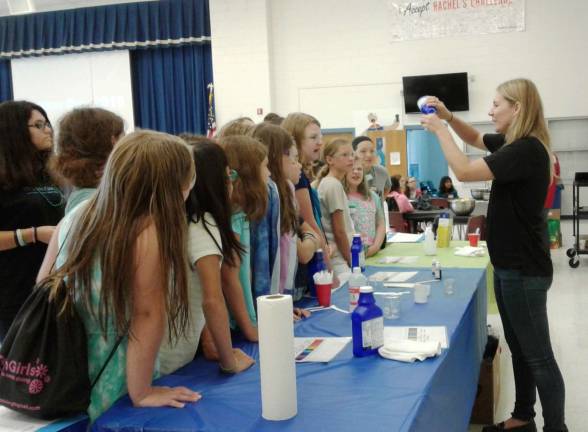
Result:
x=306 y=131
x=123 y=256
x=520 y=167
x=338 y=155
x=248 y=161
x=285 y=169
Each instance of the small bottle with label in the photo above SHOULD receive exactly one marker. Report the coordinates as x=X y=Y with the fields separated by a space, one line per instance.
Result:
x=367 y=324
x=356 y=281
x=436 y=269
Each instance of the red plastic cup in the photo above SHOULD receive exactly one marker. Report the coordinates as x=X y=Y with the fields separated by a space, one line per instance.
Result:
x=323 y=294
x=474 y=237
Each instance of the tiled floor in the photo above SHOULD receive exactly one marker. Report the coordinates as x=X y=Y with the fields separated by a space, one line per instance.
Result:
x=568 y=315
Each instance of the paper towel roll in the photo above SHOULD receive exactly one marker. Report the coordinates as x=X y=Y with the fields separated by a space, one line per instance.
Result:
x=276 y=357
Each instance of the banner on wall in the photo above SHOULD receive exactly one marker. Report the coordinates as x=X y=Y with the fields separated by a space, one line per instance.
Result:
x=428 y=19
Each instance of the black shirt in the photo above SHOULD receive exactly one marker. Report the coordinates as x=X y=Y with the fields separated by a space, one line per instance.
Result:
x=515 y=221
x=24 y=208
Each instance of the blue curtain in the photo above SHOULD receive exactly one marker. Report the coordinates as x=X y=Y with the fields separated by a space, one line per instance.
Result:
x=5 y=81
x=123 y=26
x=169 y=88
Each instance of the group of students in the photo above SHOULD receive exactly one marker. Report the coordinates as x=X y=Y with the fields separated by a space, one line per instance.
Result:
x=169 y=240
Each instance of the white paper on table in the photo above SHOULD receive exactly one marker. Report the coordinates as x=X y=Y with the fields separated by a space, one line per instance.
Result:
x=318 y=349
x=405 y=238
x=398 y=259
x=418 y=333
x=13 y=421
x=408 y=260
x=398 y=285
x=389 y=259
x=391 y=276
x=401 y=276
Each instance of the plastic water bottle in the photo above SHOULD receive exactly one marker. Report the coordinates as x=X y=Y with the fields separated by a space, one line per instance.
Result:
x=316 y=264
x=356 y=281
x=357 y=253
x=367 y=324
x=425 y=109
x=429 y=246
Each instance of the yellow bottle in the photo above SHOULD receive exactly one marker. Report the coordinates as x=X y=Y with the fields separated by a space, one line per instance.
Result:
x=443 y=231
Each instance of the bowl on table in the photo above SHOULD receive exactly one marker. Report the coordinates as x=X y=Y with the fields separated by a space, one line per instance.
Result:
x=462 y=206
x=478 y=194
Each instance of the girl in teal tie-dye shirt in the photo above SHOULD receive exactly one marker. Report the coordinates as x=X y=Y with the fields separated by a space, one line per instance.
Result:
x=121 y=255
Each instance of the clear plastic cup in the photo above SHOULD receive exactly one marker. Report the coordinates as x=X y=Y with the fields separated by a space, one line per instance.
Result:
x=391 y=306
x=421 y=293
x=449 y=286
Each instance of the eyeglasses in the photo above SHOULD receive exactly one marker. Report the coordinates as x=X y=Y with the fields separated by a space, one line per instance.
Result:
x=233 y=175
x=41 y=125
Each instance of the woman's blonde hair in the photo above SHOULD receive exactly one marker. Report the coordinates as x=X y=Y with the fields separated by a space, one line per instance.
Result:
x=529 y=122
x=142 y=185
x=245 y=155
x=296 y=123
x=238 y=126
x=329 y=150
x=362 y=188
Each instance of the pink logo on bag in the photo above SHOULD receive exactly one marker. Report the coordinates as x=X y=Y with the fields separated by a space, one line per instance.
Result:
x=35 y=375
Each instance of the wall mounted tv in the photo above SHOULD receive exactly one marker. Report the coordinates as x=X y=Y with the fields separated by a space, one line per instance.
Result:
x=451 y=88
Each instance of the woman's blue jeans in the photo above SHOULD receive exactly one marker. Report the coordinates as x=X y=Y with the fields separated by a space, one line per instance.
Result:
x=522 y=302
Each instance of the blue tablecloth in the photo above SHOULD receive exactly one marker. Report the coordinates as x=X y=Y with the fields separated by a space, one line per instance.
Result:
x=370 y=394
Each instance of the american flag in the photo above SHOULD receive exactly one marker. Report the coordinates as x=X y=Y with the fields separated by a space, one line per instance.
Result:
x=211 y=124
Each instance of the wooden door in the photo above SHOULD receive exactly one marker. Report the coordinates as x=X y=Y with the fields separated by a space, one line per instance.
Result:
x=328 y=137
x=393 y=143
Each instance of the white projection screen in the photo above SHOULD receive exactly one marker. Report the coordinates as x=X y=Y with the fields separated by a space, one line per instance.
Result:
x=60 y=83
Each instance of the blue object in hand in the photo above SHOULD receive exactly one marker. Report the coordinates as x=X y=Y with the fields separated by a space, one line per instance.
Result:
x=425 y=109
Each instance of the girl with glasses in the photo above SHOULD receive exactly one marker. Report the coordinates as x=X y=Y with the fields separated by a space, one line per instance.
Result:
x=30 y=203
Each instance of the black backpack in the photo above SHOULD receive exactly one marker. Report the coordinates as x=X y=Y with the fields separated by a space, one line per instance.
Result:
x=44 y=357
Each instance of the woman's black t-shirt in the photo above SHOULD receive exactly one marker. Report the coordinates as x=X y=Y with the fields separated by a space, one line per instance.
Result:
x=25 y=208
x=515 y=221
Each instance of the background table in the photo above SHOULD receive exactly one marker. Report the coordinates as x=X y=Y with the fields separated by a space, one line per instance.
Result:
x=348 y=393
x=446 y=257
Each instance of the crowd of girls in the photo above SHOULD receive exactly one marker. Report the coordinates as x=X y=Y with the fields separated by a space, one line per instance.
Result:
x=168 y=241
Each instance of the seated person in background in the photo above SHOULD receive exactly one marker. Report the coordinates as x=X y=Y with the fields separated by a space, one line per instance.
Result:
x=446 y=189
x=402 y=181
x=412 y=191
x=365 y=208
x=398 y=201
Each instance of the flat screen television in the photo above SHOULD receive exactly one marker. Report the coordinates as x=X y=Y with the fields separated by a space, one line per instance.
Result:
x=451 y=88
